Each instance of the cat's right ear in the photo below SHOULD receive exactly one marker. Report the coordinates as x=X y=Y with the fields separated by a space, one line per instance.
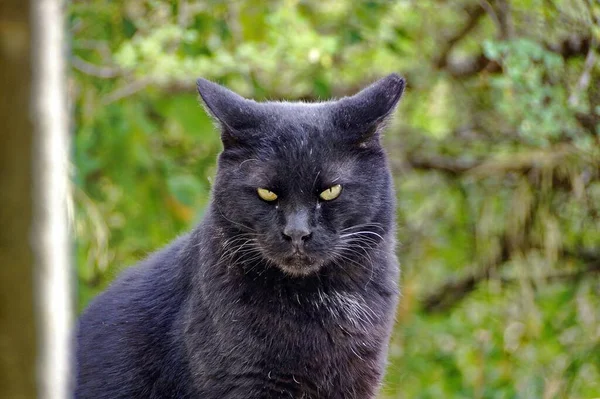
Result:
x=232 y=112
x=364 y=114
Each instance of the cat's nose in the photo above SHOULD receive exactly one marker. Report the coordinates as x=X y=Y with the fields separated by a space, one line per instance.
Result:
x=297 y=236
x=297 y=229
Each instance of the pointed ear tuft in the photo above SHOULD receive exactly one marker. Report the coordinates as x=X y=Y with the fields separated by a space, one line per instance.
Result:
x=365 y=113
x=233 y=112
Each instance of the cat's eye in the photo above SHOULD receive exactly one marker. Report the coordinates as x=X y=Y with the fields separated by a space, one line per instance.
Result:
x=266 y=195
x=331 y=193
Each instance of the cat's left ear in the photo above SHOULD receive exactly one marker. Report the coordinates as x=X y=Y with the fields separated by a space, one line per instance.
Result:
x=364 y=114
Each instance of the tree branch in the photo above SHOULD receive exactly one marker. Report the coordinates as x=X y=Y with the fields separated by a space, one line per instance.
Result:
x=575 y=46
x=584 y=80
x=88 y=68
x=474 y=13
x=523 y=162
x=452 y=292
x=504 y=19
x=566 y=276
x=452 y=166
x=126 y=91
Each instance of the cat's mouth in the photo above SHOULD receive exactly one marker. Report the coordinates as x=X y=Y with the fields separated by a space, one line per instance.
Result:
x=299 y=264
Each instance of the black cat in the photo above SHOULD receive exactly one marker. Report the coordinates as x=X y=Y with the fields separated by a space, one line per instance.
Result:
x=287 y=288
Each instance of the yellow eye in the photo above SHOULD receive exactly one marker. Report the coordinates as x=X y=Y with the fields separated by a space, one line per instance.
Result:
x=267 y=195
x=331 y=193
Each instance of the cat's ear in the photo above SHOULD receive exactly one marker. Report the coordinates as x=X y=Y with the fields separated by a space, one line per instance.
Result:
x=233 y=113
x=363 y=115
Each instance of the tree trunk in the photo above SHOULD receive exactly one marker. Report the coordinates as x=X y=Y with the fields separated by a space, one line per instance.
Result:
x=34 y=289
x=17 y=319
x=50 y=229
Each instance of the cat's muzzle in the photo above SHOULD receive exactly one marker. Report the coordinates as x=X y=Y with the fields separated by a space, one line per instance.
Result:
x=299 y=264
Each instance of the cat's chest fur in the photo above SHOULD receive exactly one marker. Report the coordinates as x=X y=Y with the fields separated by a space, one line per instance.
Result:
x=315 y=342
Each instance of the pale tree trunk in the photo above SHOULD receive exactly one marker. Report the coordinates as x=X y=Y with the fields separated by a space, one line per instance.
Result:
x=17 y=320
x=50 y=229
x=34 y=241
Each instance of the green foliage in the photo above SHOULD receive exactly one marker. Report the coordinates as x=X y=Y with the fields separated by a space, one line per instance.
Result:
x=495 y=150
x=528 y=95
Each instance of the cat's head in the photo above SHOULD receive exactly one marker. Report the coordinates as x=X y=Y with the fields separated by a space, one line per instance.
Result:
x=303 y=185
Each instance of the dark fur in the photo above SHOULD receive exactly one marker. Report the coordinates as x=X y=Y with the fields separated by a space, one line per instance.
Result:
x=227 y=311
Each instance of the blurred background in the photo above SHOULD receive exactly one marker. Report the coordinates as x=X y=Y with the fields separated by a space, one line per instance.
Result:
x=495 y=150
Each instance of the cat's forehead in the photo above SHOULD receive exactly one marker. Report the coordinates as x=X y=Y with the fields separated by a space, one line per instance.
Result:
x=300 y=157
x=301 y=144
x=300 y=178
x=296 y=130
x=286 y=115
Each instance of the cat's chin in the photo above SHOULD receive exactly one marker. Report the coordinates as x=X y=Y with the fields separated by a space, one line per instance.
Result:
x=299 y=266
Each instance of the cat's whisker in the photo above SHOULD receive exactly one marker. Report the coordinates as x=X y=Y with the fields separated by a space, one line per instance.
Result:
x=362 y=226
x=239 y=241
x=340 y=267
x=235 y=239
x=245 y=250
x=252 y=259
x=349 y=259
x=232 y=243
x=341 y=250
x=231 y=251
x=362 y=232
x=358 y=241
x=234 y=222
x=360 y=244
x=362 y=253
